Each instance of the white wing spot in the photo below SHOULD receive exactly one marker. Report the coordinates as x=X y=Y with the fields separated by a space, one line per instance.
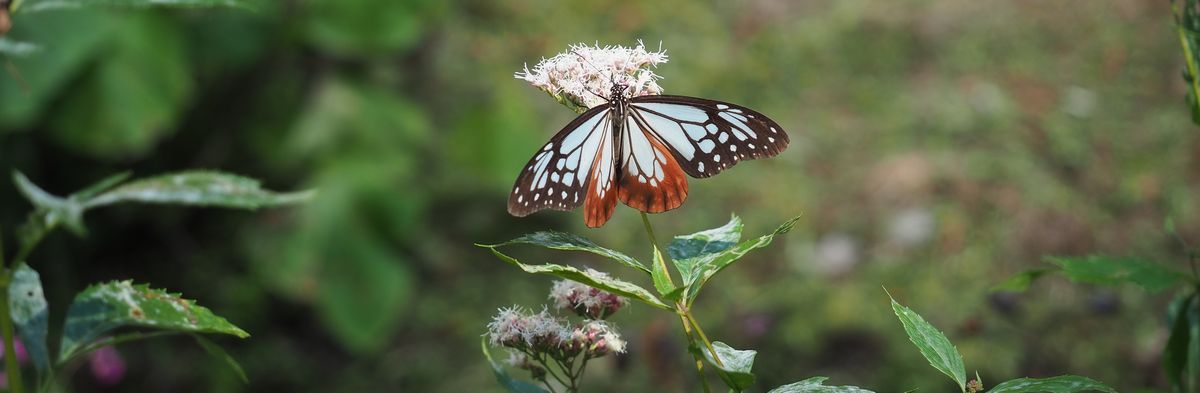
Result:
x=641 y=179
x=537 y=196
x=771 y=139
x=562 y=162
x=564 y=195
x=734 y=147
x=773 y=130
x=700 y=167
x=722 y=106
x=554 y=177
x=752 y=146
x=568 y=179
x=707 y=145
x=717 y=158
x=723 y=137
x=520 y=198
x=653 y=183
x=548 y=145
x=712 y=128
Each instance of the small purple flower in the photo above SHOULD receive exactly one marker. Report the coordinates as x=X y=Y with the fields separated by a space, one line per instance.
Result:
x=585 y=301
x=107 y=366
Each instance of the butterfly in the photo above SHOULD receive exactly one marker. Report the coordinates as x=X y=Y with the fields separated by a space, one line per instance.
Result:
x=637 y=150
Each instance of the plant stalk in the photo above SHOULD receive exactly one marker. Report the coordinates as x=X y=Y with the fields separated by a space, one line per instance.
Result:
x=12 y=368
x=1187 y=52
x=687 y=330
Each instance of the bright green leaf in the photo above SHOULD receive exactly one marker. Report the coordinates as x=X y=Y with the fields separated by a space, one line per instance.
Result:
x=216 y=351
x=572 y=242
x=705 y=266
x=734 y=367
x=934 y=345
x=1106 y=270
x=104 y=307
x=1059 y=384
x=660 y=275
x=815 y=385
x=507 y=381
x=1021 y=281
x=199 y=188
x=591 y=278
x=30 y=314
x=687 y=251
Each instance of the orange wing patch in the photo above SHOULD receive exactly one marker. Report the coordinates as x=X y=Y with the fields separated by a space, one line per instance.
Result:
x=653 y=183
x=601 y=199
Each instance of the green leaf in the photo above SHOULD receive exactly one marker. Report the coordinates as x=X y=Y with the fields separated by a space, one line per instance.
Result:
x=1176 y=353
x=705 y=266
x=49 y=212
x=572 y=242
x=198 y=188
x=104 y=307
x=591 y=278
x=1059 y=384
x=687 y=250
x=815 y=385
x=101 y=186
x=1021 y=281
x=363 y=294
x=216 y=351
x=15 y=48
x=1106 y=270
x=507 y=381
x=30 y=314
x=660 y=275
x=934 y=345
x=735 y=365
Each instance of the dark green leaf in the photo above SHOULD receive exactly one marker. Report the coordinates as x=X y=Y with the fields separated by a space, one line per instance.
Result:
x=104 y=307
x=216 y=351
x=734 y=367
x=572 y=242
x=591 y=278
x=510 y=384
x=49 y=212
x=1021 y=281
x=934 y=345
x=660 y=275
x=1059 y=384
x=30 y=314
x=815 y=385
x=1106 y=270
x=705 y=266
x=363 y=294
x=1175 y=354
x=199 y=188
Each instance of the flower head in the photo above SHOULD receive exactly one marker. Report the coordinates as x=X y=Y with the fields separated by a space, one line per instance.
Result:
x=583 y=76
x=597 y=338
x=585 y=301
x=515 y=327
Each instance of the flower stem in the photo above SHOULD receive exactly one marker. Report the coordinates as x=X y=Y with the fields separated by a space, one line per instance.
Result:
x=703 y=337
x=687 y=331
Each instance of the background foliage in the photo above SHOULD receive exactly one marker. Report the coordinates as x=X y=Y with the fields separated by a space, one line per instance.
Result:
x=938 y=147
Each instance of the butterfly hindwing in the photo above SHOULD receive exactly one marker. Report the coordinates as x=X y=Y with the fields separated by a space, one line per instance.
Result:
x=651 y=179
x=707 y=136
x=557 y=176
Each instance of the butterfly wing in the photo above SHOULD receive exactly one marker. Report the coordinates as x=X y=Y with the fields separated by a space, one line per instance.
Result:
x=707 y=136
x=650 y=179
x=576 y=165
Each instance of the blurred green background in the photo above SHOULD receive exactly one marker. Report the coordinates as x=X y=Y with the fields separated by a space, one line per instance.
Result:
x=938 y=146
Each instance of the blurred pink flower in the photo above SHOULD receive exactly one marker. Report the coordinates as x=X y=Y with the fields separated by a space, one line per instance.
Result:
x=108 y=368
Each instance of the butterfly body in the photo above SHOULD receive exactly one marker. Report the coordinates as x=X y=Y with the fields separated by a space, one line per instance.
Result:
x=637 y=150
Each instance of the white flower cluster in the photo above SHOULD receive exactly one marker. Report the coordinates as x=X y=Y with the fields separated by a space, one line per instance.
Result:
x=515 y=327
x=583 y=76
x=584 y=300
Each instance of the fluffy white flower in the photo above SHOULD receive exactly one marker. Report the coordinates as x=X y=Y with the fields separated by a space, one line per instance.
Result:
x=583 y=76
x=507 y=327
x=584 y=300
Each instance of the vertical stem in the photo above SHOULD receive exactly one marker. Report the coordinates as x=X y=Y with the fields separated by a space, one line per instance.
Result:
x=703 y=337
x=6 y=328
x=1185 y=42
x=687 y=330
x=654 y=241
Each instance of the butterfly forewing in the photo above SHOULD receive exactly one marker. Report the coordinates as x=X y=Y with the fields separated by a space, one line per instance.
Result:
x=707 y=136
x=557 y=176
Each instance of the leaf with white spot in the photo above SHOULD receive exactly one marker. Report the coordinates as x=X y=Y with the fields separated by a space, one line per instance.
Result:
x=198 y=188
x=572 y=242
x=101 y=308
x=590 y=278
x=816 y=385
x=703 y=266
x=30 y=313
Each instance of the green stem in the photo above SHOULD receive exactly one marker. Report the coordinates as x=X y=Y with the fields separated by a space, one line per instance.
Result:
x=1187 y=53
x=654 y=241
x=703 y=337
x=687 y=331
x=6 y=328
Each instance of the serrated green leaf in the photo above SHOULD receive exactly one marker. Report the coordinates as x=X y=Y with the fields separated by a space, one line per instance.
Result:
x=734 y=367
x=687 y=251
x=815 y=385
x=572 y=242
x=660 y=275
x=1059 y=384
x=198 y=188
x=934 y=345
x=15 y=48
x=705 y=266
x=1020 y=282
x=216 y=351
x=1175 y=354
x=507 y=381
x=104 y=307
x=590 y=278
x=30 y=314
x=1106 y=270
